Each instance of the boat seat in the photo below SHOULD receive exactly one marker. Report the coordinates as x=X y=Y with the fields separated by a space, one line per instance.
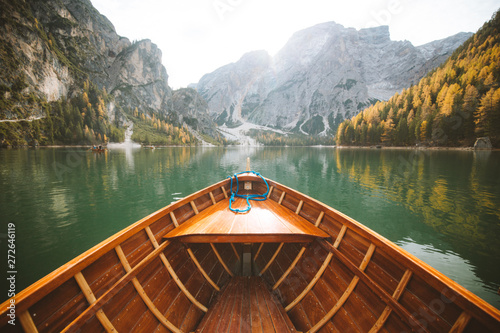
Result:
x=246 y=305
x=266 y=222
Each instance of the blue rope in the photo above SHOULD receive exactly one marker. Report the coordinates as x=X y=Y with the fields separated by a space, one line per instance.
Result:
x=248 y=197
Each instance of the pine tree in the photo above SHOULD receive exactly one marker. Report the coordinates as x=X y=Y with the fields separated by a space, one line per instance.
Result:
x=401 y=135
x=423 y=130
x=450 y=100
x=484 y=113
x=389 y=129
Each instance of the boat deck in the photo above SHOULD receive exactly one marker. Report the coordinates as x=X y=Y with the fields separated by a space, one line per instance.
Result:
x=289 y=264
x=246 y=305
x=267 y=221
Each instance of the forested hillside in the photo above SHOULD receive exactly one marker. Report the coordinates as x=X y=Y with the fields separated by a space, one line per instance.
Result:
x=82 y=119
x=68 y=78
x=451 y=106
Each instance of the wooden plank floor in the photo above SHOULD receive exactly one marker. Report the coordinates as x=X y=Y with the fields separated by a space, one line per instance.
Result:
x=246 y=305
x=267 y=221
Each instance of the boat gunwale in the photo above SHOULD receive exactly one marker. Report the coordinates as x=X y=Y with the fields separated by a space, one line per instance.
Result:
x=465 y=299
x=45 y=285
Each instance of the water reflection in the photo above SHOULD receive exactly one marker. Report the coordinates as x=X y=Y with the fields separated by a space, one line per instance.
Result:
x=450 y=263
x=60 y=207
x=455 y=193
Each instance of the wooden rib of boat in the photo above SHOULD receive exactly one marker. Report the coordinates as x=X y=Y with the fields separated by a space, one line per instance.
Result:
x=289 y=264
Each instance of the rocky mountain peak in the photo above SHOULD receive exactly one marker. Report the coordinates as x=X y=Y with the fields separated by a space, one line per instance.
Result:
x=323 y=74
x=443 y=47
x=375 y=35
x=255 y=59
x=137 y=78
x=55 y=46
x=231 y=83
x=306 y=44
x=139 y=64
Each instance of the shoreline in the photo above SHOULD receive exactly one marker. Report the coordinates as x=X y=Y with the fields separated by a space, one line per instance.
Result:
x=89 y=146
x=417 y=148
x=263 y=146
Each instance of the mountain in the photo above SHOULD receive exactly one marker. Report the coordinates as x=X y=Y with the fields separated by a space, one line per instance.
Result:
x=452 y=106
x=54 y=51
x=323 y=75
x=227 y=87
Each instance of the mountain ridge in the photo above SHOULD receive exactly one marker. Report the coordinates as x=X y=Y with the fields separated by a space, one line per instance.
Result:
x=453 y=105
x=51 y=50
x=57 y=51
x=319 y=77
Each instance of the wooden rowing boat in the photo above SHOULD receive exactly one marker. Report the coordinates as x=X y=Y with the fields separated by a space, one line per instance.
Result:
x=98 y=149
x=289 y=264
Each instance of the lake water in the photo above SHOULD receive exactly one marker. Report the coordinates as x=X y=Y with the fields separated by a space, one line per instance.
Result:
x=442 y=206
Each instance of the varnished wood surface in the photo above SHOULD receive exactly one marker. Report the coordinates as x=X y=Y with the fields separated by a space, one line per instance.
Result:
x=246 y=305
x=369 y=284
x=267 y=221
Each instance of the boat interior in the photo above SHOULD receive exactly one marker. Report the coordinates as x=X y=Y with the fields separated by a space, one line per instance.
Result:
x=289 y=264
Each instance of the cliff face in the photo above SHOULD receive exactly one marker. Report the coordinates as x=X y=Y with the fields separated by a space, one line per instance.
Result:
x=195 y=114
x=137 y=77
x=54 y=46
x=321 y=76
x=227 y=87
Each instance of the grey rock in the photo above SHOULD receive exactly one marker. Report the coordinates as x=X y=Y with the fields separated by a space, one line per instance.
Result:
x=323 y=75
x=87 y=47
x=227 y=87
x=195 y=111
x=483 y=143
x=138 y=79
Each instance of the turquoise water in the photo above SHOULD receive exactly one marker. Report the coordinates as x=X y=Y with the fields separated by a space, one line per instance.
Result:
x=442 y=206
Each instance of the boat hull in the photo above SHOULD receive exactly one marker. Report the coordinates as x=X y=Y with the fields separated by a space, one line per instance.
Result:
x=353 y=279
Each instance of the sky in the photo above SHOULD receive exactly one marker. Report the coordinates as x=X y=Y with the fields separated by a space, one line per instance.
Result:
x=198 y=36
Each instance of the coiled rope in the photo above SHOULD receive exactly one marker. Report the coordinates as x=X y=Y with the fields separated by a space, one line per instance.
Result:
x=248 y=197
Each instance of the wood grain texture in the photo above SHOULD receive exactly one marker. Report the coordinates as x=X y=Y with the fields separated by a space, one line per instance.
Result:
x=246 y=305
x=27 y=322
x=289 y=269
x=387 y=311
x=140 y=291
x=311 y=283
x=387 y=288
x=89 y=295
x=265 y=222
x=202 y=271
